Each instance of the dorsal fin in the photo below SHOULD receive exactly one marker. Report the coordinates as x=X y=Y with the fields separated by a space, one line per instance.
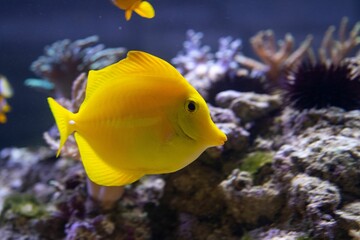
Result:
x=136 y=63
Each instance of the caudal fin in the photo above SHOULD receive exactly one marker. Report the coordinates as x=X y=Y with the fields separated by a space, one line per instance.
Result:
x=63 y=121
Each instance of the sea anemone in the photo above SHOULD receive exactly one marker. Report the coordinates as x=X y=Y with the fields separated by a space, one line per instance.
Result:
x=320 y=85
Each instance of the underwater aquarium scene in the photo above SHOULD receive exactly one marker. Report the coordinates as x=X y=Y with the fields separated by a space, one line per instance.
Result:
x=179 y=120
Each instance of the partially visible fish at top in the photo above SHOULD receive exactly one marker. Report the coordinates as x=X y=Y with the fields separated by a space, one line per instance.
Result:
x=140 y=116
x=143 y=8
x=5 y=92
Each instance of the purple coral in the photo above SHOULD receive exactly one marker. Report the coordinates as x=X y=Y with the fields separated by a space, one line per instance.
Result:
x=209 y=72
x=194 y=55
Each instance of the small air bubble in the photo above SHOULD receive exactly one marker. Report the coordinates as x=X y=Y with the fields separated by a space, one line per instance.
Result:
x=71 y=122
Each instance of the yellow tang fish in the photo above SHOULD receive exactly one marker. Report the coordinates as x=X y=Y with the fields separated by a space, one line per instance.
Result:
x=5 y=92
x=143 y=8
x=140 y=116
x=4 y=108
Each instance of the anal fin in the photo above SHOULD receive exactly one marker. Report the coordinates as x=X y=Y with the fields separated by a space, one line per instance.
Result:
x=99 y=171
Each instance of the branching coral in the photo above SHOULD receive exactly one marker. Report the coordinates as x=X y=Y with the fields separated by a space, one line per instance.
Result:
x=277 y=57
x=64 y=60
x=333 y=51
x=5 y=92
x=194 y=57
x=204 y=69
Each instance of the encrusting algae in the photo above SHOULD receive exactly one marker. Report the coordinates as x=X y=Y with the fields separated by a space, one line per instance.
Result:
x=140 y=116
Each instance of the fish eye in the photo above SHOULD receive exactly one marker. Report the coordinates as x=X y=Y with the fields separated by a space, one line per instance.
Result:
x=191 y=106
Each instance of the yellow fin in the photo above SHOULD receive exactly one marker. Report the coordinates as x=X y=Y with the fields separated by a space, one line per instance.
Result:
x=123 y=4
x=99 y=171
x=128 y=14
x=145 y=9
x=2 y=118
x=62 y=117
x=136 y=63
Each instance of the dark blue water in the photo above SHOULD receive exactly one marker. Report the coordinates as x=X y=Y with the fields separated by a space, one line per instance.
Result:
x=26 y=26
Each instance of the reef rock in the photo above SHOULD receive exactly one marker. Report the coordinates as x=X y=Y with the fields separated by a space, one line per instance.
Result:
x=251 y=204
x=315 y=200
x=327 y=146
x=349 y=218
x=248 y=106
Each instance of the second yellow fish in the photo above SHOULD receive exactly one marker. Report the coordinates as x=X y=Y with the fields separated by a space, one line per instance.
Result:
x=5 y=92
x=140 y=116
x=143 y=8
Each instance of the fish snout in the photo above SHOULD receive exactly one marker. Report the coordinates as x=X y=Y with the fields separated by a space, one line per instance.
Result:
x=218 y=137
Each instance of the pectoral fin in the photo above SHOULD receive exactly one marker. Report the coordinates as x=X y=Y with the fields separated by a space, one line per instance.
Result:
x=99 y=171
x=145 y=9
x=128 y=14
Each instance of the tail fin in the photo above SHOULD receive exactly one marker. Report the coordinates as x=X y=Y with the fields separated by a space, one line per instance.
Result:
x=63 y=121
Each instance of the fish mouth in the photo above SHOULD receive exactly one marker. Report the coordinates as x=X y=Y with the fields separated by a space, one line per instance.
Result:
x=222 y=139
x=219 y=138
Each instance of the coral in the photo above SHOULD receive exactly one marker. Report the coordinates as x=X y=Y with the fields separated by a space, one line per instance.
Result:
x=333 y=51
x=64 y=60
x=248 y=106
x=277 y=58
x=209 y=72
x=194 y=57
x=5 y=92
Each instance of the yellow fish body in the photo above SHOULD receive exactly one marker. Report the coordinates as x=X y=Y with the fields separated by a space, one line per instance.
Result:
x=140 y=116
x=143 y=8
